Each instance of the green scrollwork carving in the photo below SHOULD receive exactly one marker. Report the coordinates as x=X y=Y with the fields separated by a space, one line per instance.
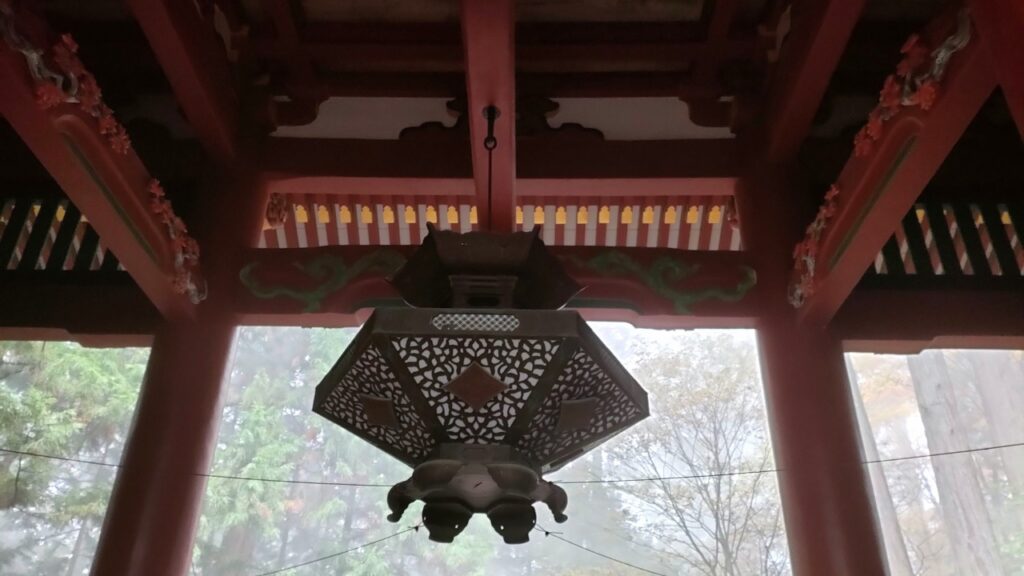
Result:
x=330 y=269
x=662 y=275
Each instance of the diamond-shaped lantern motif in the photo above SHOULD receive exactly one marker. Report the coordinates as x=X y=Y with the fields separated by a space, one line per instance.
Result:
x=475 y=386
x=548 y=388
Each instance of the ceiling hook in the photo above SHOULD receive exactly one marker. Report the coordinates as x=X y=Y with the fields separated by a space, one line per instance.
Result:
x=491 y=113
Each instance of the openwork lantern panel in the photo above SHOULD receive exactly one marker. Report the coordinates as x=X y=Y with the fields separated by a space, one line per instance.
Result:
x=538 y=381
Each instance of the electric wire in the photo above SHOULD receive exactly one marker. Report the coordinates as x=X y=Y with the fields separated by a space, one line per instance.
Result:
x=557 y=535
x=594 y=481
x=342 y=553
x=304 y=482
x=547 y=533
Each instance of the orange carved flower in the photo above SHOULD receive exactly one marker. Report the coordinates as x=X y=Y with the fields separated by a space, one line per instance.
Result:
x=862 y=143
x=891 y=93
x=926 y=94
x=49 y=95
x=89 y=93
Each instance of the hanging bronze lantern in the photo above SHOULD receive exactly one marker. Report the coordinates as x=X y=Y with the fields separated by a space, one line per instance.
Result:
x=483 y=385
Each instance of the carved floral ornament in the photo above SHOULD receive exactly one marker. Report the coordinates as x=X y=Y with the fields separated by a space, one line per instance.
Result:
x=806 y=252
x=916 y=83
x=187 y=275
x=61 y=77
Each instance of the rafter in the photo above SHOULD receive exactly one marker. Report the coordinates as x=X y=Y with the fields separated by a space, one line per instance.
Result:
x=999 y=24
x=194 y=61
x=488 y=36
x=878 y=189
x=819 y=33
x=107 y=186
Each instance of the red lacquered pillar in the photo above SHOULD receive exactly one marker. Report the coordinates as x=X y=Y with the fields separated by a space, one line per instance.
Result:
x=826 y=502
x=827 y=505
x=157 y=498
x=155 y=505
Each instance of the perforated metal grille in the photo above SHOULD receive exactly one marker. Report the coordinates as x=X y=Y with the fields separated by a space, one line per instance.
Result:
x=371 y=376
x=582 y=378
x=434 y=362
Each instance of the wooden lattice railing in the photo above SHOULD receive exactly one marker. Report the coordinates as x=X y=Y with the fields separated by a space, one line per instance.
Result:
x=49 y=233
x=956 y=239
x=686 y=223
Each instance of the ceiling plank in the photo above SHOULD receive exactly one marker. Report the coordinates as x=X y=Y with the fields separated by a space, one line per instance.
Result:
x=819 y=33
x=877 y=190
x=488 y=35
x=196 y=65
x=108 y=187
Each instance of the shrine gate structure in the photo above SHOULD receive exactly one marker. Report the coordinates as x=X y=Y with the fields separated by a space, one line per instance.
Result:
x=841 y=175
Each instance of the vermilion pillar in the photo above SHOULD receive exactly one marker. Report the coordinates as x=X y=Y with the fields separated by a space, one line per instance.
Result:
x=826 y=502
x=155 y=505
x=827 y=505
x=157 y=498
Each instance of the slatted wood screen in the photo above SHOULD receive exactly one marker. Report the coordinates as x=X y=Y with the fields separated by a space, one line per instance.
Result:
x=49 y=234
x=956 y=239
x=691 y=223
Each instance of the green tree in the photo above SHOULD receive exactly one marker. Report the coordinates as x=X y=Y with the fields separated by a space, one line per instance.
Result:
x=60 y=399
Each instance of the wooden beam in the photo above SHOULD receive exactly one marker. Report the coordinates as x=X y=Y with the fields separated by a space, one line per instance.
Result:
x=999 y=24
x=488 y=38
x=546 y=157
x=948 y=313
x=877 y=190
x=818 y=36
x=91 y=307
x=192 y=57
x=384 y=187
x=711 y=289
x=108 y=187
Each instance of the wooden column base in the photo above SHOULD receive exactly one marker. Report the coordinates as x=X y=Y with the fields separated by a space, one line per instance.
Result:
x=155 y=505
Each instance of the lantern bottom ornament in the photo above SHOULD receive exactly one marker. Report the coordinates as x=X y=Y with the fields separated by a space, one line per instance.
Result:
x=469 y=479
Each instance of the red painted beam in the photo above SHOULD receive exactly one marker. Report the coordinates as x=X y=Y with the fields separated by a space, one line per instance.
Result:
x=819 y=33
x=196 y=65
x=716 y=289
x=488 y=37
x=877 y=190
x=109 y=188
x=890 y=320
x=1000 y=24
x=544 y=157
x=385 y=187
